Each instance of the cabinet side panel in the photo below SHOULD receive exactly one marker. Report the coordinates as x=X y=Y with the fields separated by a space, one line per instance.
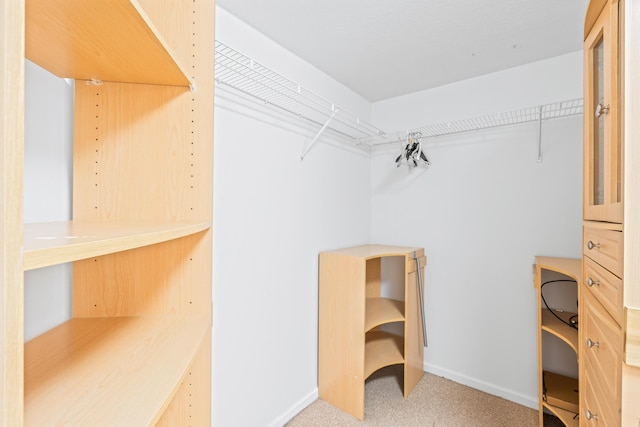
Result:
x=374 y=274
x=191 y=404
x=341 y=332
x=11 y=161
x=413 y=338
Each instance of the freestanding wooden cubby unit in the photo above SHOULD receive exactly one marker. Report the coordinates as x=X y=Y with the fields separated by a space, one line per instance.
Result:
x=557 y=393
x=137 y=349
x=351 y=342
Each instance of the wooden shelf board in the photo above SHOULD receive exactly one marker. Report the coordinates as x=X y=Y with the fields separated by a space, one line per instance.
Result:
x=561 y=391
x=382 y=310
x=54 y=243
x=555 y=327
x=382 y=349
x=109 y=371
x=110 y=41
x=377 y=251
x=568 y=418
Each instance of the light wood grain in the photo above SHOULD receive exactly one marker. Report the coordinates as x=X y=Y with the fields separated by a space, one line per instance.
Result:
x=382 y=349
x=607 y=288
x=376 y=251
x=593 y=11
x=112 y=371
x=11 y=172
x=59 y=242
x=601 y=364
x=561 y=391
x=568 y=418
x=413 y=350
x=341 y=344
x=93 y=40
x=632 y=342
x=555 y=326
x=351 y=341
x=571 y=267
x=382 y=310
x=609 y=249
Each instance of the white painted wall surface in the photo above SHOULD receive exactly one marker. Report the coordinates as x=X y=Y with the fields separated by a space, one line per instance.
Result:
x=483 y=210
x=273 y=214
x=47 y=190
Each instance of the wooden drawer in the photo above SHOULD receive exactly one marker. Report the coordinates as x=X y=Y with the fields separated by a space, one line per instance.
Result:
x=606 y=287
x=604 y=247
x=602 y=341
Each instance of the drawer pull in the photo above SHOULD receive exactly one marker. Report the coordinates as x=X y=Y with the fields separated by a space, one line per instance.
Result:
x=591 y=245
x=592 y=344
x=591 y=282
x=601 y=109
x=590 y=416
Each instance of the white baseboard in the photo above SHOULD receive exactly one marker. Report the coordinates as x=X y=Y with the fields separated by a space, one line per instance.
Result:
x=528 y=401
x=295 y=409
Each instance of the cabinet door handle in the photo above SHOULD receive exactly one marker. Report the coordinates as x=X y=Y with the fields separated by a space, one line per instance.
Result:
x=601 y=109
x=591 y=245
x=591 y=282
x=592 y=344
x=591 y=416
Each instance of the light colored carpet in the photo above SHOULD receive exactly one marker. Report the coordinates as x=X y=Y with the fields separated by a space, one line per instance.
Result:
x=435 y=402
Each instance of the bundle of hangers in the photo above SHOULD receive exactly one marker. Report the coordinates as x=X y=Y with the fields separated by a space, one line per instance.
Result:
x=412 y=151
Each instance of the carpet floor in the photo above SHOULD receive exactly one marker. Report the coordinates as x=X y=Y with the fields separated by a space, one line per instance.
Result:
x=435 y=402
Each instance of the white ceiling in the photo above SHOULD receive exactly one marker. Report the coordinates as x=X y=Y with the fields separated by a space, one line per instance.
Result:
x=386 y=48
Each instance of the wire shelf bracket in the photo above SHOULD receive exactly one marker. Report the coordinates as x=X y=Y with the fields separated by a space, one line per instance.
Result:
x=246 y=76
x=537 y=114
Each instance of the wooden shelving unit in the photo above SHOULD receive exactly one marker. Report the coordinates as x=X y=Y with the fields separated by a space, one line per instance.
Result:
x=137 y=349
x=352 y=342
x=557 y=393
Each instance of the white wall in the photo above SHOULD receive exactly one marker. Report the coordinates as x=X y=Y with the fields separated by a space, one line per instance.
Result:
x=47 y=190
x=273 y=214
x=483 y=210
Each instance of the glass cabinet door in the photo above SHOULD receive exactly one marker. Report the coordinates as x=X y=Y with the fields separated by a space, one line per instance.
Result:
x=603 y=147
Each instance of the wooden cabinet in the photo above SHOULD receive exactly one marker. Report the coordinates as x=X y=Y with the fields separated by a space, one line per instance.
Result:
x=557 y=393
x=353 y=312
x=603 y=163
x=610 y=296
x=137 y=350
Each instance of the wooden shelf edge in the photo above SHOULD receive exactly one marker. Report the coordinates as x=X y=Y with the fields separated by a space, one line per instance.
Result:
x=382 y=349
x=109 y=371
x=568 y=418
x=555 y=327
x=571 y=267
x=111 y=42
x=382 y=310
x=54 y=243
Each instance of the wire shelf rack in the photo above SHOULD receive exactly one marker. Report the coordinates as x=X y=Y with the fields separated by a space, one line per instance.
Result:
x=540 y=113
x=246 y=76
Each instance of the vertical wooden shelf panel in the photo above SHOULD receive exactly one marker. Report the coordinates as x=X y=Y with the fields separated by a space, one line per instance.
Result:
x=142 y=212
x=11 y=178
x=351 y=344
